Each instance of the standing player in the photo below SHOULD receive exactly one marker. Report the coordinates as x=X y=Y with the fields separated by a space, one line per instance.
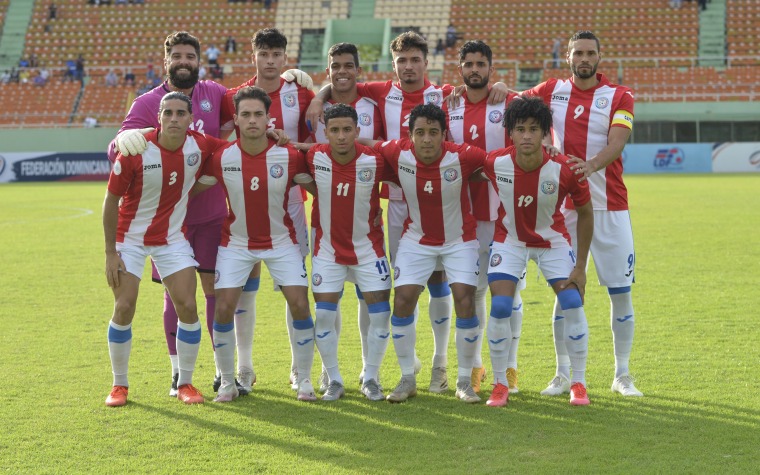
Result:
x=593 y=119
x=440 y=229
x=532 y=186
x=348 y=244
x=154 y=187
x=257 y=176
x=477 y=122
x=289 y=103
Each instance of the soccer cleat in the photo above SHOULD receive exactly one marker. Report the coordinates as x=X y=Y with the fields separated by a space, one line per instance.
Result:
x=241 y=389
x=305 y=391
x=217 y=382
x=293 y=379
x=227 y=392
x=173 y=389
x=499 y=396
x=372 y=390
x=439 y=381
x=512 y=380
x=246 y=379
x=334 y=391
x=559 y=385
x=578 y=396
x=118 y=396
x=477 y=377
x=465 y=391
x=188 y=394
x=406 y=388
x=624 y=385
x=324 y=381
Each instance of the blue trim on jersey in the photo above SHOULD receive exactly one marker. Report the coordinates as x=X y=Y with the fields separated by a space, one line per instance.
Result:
x=303 y=324
x=618 y=290
x=569 y=299
x=379 y=307
x=252 y=285
x=332 y=307
x=439 y=290
x=192 y=337
x=554 y=281
x=497 y=276
x=501 y=306
x=359 y=293
x=402 y=321
x=465 y=323
x=119 y=336
x=224 y=327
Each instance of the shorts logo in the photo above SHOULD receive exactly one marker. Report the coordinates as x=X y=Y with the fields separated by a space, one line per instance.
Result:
x=117 y=167
x=289 y=100
x=193 y=159
x=754 y=160
x=495 y=117
x=602 y=103
x=396 y=272
x=276 y=171
x=365 y=175
x=206 y=105
x=549 y=187
x=217 y=275
x=365 y=119
x=450 y=175
x=433 y=98
x=495 y=260
x=316 y=279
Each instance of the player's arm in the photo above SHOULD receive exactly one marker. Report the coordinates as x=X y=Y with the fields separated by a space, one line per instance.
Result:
x=114 y=263
x=316 y=108
x=585 y=233
x=616 y=140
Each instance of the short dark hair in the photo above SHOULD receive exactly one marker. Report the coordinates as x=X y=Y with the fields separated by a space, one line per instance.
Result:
x=584 y=35
x=430 y=112
x=476 y=47
x=523 y=108
x=176 y=95
x=269 y=38
x=252 y=92
x=344 y=48
x=182 y=38
x=409 y=40
x=341 y=110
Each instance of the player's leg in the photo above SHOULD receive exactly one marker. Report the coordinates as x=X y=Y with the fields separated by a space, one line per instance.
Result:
x=327 y=279
x=364 y=324
x=298 y=216
x=170 y=330
x=515 y=322
x=484 y=232
x=439 y=311
x=245 y=325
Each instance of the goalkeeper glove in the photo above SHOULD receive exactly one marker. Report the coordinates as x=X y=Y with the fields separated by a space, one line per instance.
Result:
x=132 y=142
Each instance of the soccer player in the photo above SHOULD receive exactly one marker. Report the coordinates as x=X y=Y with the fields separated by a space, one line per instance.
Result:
x=440 y=228
x=154 y=187
x=289 y=103
x=257 y=176
x=205 y=212
x=593 y=119
x=348 y=244
x=477 y=122
x=532 y=186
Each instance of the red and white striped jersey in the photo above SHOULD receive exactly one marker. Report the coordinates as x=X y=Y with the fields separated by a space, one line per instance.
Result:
x=257 y=188
x=370 y=121
x=287 y=112
x=480 y=124
x=347 y=205
x=530 y=215
x=582 y=122
x=155 y=187
x=436 y=194
x=395 y=107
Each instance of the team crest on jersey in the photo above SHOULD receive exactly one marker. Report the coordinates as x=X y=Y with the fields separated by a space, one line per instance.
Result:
x=117 y=167
x=316 y=280
x=193 y=159
x=206 y=105
x=450 y=175
x=495 y=117
x=396 y=272
x=365 y=119
x=289 y=100
x=602 y=103
x=549 y=187
x=495 y=260
x=433 y=98
x=276 y=171
x=365 y=175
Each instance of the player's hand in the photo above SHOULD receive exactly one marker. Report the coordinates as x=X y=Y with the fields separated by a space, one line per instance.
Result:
x=300 y=77
x=279 y=135
x=577 y=278
x=132 y=142
x=551 y=150
x=314 y=114
x=114 y=267
x=581 y=167
x=498 y=93
x=452 y=100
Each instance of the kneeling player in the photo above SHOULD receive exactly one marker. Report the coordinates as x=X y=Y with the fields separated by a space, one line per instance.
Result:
x=532 y=186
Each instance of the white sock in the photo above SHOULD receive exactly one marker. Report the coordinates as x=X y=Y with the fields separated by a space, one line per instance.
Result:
x=303 y=348
x=224 y=349
x=439 y=308
x=175 y=364
x=558 y=325
x=499 y=340
x=515 y=322
x=576 y=330
x=291 y=336
x=364 y=324
x=245 y=323
x=622 y=322
x=404 y=339
x=379 y=315
x=480 y=309
x=327 y=338
x=119 y=348
x=467 y=335
x=188 y=343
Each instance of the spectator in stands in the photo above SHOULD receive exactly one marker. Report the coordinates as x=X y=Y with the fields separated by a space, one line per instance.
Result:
x=79 y=73
x=111 y=78
x=439 y=47
x=267 y=4
x=23 y=62
x=147 y=87
x=150 y=73
x=44 y=74
x=451 y=35
x=129 y=77
x=52 y=11
x=202 y=72
x=556 y=46
x=41 y=78
x=120 y=2
x=33 y=61
x=702 y=4
x=676 y=3
x=6 y=77
x=231 y=45
x=71 y=69
x=24 y=76
x=212 y=54
x=14 y=75
x=217 y=73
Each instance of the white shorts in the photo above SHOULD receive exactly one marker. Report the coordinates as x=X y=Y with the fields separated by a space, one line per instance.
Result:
x=416 y=262
x=327 y=276
x=298 y=215
x=168 y=259
x=485 y=231
x=554 y=263
x=285 y=264
x=397 y=214
x=611 y=246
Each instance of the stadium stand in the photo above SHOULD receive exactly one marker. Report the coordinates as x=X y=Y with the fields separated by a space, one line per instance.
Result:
x=742 y=24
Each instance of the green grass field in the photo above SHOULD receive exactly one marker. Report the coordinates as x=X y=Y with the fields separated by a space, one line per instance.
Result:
x=696 y=357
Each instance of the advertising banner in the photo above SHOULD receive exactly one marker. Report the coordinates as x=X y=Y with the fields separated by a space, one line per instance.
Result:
x=668 y=158
x=736 y=157
x=52 y=166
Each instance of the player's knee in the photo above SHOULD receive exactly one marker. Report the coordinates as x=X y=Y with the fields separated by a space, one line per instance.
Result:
x=299 y=307
x=224 y=310
x=124 y=310
x=569 y=299
x=501 y=306
x=186 y=308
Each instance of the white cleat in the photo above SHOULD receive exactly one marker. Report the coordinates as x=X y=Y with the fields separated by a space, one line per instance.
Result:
x=465 y=392
x=557 y=386
x=306 y=391
x=624 y=385
x=227 y=392
x=324 y=381
x=246 y=378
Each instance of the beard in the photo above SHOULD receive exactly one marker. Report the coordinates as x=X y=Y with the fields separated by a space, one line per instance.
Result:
x=591 y=74
x=483 y=82
x=184 y=82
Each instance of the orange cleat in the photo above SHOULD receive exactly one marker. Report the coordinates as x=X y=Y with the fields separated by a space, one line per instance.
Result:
x=478 y=376
x=189 y=395
x=118 y=396
x=499 y=396
x=578 y=396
